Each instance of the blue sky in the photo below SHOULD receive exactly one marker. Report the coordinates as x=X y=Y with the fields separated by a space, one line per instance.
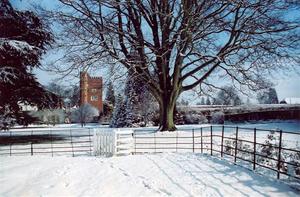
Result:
x=286 y=85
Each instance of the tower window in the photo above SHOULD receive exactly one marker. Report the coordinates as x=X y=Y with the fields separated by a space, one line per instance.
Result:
x=94 y=98
x=94 y=90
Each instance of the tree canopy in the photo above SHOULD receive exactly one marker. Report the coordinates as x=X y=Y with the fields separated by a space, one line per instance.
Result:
x=182 y=44
x=23 y=40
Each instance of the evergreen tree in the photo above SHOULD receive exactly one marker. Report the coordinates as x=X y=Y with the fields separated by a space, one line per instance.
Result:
x=202 y=101
x=119 y=113
x=208 y=101
x=273 y=96
x=133 y=99
x=248 y=101
x=23 y=39
x=267 y=96
x=110 y=94
x=136 y=107
x=228 y=96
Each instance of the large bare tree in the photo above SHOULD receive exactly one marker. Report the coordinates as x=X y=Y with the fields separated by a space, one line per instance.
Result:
x=177 y=45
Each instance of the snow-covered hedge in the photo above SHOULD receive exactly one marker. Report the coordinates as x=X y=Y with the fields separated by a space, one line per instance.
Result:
x=269 y=154
x=194 y=118
x=217 y=118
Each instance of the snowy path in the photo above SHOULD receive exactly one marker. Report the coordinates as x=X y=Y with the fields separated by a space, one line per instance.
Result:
x=139 y=175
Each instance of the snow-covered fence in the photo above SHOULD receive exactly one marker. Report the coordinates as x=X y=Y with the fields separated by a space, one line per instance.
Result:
x=53 y=142
x=275 y=150
x=113 y=142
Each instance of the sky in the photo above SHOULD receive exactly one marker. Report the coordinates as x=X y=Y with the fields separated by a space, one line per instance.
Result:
x=286 y=85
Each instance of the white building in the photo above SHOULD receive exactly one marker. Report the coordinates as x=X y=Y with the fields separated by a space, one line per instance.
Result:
x=292 y=100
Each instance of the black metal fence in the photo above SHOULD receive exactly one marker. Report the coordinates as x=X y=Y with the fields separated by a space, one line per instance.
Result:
x=275 y=150
x=46 y=142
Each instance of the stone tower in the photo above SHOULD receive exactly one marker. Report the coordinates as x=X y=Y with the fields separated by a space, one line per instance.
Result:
x=91 y=91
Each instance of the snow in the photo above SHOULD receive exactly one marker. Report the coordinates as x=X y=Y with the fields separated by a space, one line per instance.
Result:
x=7 y=74
x=168 y=174
x=17 y=45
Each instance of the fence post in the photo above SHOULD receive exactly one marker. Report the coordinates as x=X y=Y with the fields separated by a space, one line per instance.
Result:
x=31 y=148
x=279 y=154
x=176 y=140
x=201 y=141
x=211 y=141
x=51 y=140
x=90 y=141
x=236 y=145
x=10 y=144
x=71 y=142
x=134 y=142
x=193 y=141
x=254 y=150
x=222 y=141
x=154 y=143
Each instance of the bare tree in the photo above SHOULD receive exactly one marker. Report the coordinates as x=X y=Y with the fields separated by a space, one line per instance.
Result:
x=181 y=44
x=84 y=114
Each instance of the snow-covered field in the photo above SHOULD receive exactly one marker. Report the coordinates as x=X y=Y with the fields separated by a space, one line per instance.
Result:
x=168 y=174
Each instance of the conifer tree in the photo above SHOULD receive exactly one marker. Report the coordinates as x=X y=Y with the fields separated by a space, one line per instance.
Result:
x=23 y=39
x=119 y=113
x=110 y=94
x=208 y=101
x=202 y=101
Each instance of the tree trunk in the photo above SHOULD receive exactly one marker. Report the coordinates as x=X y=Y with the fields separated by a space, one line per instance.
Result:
x=167 y=107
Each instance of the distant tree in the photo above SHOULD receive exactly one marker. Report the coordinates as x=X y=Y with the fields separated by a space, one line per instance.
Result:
x=248 y=101
x=183 y=102
x=49 y=116
x=228 y=96
x=23 y=40
x=217 y=118
x=85 y=113
x=110 y=93
x=202 y=101
x=208 y=101
x=56 y=89
x=267 y=96
x=74 y=95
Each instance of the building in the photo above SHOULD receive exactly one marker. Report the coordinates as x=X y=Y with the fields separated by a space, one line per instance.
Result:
x=292 y=100
x=91 y=91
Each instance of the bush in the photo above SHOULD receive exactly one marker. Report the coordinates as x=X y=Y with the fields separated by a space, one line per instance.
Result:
x=194 y=118
x=217 y=118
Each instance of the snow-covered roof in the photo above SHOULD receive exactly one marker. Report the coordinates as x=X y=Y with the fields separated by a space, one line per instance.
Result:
x=293 y=100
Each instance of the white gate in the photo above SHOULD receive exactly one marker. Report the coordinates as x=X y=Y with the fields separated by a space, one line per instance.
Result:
x=113 y=142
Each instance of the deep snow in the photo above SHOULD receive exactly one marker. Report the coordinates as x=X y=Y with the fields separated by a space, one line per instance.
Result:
x=138 y=175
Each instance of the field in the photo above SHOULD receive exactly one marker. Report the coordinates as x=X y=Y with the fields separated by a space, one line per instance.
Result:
x=177 y=168
x=168 y=174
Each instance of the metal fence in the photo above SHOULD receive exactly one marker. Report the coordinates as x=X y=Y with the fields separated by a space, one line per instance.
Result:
x=47 y=142
x=275 y=150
